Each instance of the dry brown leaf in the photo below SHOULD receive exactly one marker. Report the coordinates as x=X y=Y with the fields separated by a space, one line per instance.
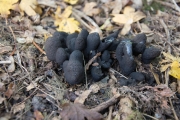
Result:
x=2 y=99
x=2 y=87
x=78 y=112
x=31 y=86
x=156 y=76
x=127 y=18
x=178 y=88
x=90 y=10
x=145 y=28
x=18 y=107
x=94 y=88
x=82 y=96
x=163 y=90
x=10 y=90
x=38 y=115
x=11 y=67
x=30 y=7
x=5 y=49
x=91 y=60
x=165 y=67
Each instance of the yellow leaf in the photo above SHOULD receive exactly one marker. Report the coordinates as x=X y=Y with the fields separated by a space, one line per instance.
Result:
x=67 y=12
x=169 y=56
x=69 y=25
x=71 y=1
x=29 y=7
x=5 y=6
x=66 y=24
x=175 y=69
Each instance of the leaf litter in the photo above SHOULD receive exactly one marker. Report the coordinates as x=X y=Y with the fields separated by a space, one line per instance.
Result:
x=33 y=85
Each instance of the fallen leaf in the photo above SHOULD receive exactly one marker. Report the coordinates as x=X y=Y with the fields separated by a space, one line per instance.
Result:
x=18 y=107
x=2 y=87
x=69 y=25
x=30 y=7
x=38 y=115
x=50 y=3
x=5 y=6
x=21 y=40
x=156 y=76
x=2 y=99
x=31 y=86
x=145 y=28
x=64 y=23
x=163 y=90
x=71 y=1
x=82 y=96
x=39 y=29
x=94 y=88
x=173 y=63
x=5 y=49
x=128 y=17
x=78 y=112
x=10 y=90
x=90 y=10
x=11 y=67
x=175 y=70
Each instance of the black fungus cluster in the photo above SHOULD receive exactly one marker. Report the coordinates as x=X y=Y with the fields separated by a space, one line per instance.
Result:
x=72 y=51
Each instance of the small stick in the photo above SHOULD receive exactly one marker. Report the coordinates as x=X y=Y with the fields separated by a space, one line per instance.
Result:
x=114 y=71
x=150 y=116
x=169 y=48
x=110 y=113
x=172 y=108
x=81 y=14
x=106 y=104
x=91 y=60
x=37 y=46
x=5 y=62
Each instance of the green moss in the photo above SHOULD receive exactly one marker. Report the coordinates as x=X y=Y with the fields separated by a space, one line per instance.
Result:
x=136 y=115
x=153 y=7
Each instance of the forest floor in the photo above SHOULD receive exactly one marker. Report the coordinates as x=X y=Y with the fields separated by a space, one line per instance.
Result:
x=34 y=88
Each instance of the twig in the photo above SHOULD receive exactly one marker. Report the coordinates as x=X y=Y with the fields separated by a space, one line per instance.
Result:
x=81 y=21
x=114 y=71
x=106 y=104
x=172 y=108
x=81 y=14
x=150 y=116
x=85 y=72
x=177 y=7
x=5 y=62
x=91 y=60
x=37 y=46
x=169 y=48
x=167 y=4
x=110 y=113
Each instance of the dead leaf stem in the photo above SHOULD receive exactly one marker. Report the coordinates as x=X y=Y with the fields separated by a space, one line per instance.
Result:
x=37 y=46
x=106 y=104
x=81 y=14
x=172 y=108
x=169 y=48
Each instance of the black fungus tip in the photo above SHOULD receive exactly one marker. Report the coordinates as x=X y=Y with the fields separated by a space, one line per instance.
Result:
x=150 y=54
